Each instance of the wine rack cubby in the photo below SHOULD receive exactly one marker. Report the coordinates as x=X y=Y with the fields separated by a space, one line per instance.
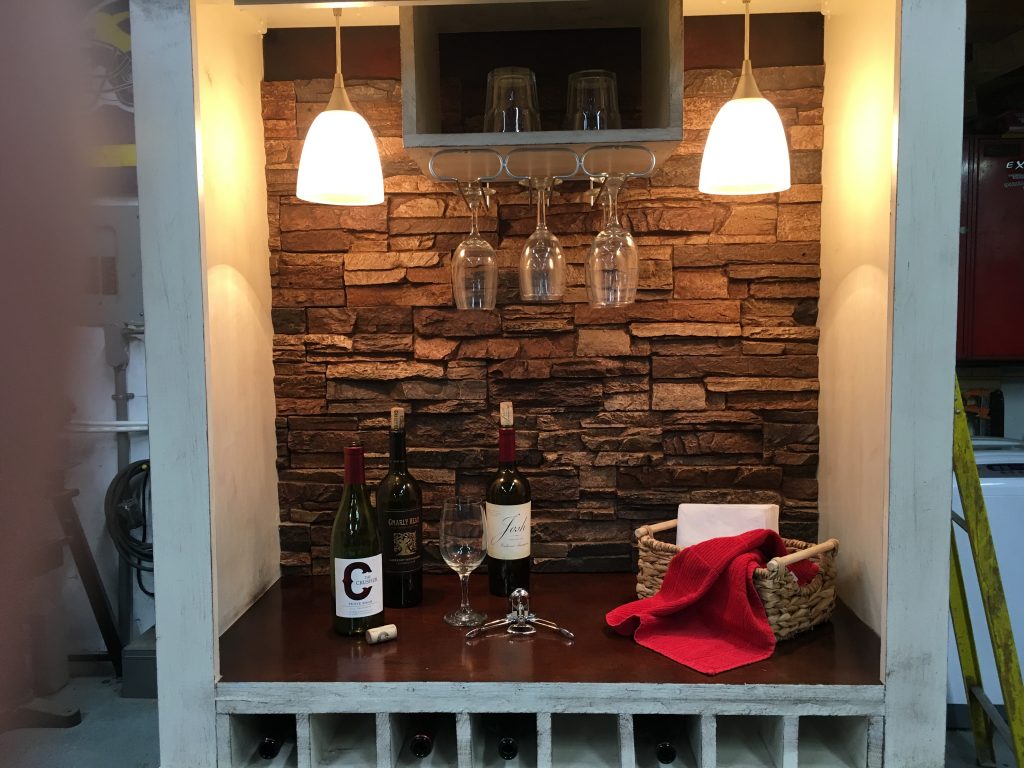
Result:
x=438 y=729
x=557 y=740
x=837 y=741
x=240 y=745
x=683 y=734
x=343 y=740
x=581 y=740
x=487 y=730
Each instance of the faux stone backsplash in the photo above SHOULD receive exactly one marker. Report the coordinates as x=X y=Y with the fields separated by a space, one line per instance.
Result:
x=705 y=390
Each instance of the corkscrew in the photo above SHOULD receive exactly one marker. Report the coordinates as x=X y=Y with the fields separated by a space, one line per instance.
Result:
x=520 y=619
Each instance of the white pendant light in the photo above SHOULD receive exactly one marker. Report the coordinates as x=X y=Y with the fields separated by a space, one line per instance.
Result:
x=340 y=164
x=746 y=152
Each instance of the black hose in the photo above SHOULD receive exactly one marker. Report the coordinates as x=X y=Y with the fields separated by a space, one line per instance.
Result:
x=126 y=508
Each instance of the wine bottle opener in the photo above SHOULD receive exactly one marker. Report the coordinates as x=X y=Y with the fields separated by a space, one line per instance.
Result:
x=520 y=619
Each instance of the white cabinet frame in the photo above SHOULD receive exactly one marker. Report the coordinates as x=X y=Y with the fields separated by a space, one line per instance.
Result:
x=928 y=40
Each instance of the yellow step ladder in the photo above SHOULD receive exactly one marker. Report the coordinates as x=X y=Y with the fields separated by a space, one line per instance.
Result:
x=984 y=716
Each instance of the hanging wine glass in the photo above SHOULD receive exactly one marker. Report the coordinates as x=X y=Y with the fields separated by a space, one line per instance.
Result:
x=613 y=263
x=474 y=263
x=542 y=265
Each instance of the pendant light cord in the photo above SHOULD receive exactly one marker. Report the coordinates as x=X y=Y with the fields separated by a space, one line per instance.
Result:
x=746 y=88
x=339 y=99
x=746 y=30
x=337 y=40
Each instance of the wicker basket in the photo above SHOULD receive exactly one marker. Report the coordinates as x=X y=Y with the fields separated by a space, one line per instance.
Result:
x=791 y=608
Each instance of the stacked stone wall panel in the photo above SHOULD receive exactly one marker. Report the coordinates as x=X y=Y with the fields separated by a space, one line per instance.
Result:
x=705 y=390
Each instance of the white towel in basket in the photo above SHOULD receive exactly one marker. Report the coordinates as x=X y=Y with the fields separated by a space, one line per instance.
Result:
x=700 y=522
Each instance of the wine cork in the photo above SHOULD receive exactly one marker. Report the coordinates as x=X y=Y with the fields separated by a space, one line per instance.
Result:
x=397 y=419
x=505 y=417
x=381 y=634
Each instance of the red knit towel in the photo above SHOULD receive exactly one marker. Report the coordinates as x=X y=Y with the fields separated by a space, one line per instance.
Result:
x=707 y=614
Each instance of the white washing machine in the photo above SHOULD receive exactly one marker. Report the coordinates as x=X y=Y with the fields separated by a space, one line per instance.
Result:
x=1001 y=467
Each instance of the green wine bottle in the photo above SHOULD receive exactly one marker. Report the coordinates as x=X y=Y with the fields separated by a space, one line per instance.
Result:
x=400 y=517
x=356 y=562
x=508 y=516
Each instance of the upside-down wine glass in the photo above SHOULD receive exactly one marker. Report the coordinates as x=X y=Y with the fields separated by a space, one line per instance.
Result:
x=474 y=263
x=511 y=101
x=463 y=546
x=593 y=101
x=542 y=265
x=613 y=263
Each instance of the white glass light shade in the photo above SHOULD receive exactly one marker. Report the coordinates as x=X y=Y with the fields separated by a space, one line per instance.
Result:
x=746 y=152
x=340 y=164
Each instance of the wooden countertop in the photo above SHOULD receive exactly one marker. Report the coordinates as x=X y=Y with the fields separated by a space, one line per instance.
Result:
x=286 y=637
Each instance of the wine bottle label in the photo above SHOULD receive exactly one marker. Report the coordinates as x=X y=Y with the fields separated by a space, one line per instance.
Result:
x=402 y=541
x=357 y=587
x=508 y=531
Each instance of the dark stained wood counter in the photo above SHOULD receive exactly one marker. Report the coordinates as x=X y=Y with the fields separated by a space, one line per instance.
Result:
x=286 y=637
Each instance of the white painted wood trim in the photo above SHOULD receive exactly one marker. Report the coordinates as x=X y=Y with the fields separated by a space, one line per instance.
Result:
x=384 y=736
x=584 y=698
x=223 y=740
x=543 y=740
x=303 y=741
x=464 y=739
x=771 y=732
x=929 y=111
x=173 y=281
x=627 y=756
x=707 y=756
x=876 y=741
x=789 y=732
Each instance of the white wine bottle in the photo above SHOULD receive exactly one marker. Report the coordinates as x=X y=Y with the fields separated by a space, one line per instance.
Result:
x=356 y=561
x=508 y=516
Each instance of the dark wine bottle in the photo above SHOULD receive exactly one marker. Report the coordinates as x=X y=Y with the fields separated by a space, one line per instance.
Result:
x=665 y=752
x=508 y=516
x=421 y=745
x=355 y=554
x=268 y=747
x=400 y=518
x=508 y=748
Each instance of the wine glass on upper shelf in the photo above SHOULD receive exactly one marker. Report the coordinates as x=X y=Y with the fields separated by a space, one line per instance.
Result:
x=511 y=101
x=474 y=263
x=542 y=264
x=463 y=544
x=613 y=263
x=593 y=101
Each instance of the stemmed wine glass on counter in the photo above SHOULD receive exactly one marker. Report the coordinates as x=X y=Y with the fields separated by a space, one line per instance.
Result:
x=463 y=544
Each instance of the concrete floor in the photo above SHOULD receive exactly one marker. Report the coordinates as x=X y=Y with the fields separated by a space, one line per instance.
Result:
x=114 y=732
x=127 y=728
x=960 y=751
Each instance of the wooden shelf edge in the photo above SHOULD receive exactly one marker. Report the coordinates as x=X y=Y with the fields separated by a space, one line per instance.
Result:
x=624 y=698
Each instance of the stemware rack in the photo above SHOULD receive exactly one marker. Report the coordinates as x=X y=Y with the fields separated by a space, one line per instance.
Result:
x=490 y=164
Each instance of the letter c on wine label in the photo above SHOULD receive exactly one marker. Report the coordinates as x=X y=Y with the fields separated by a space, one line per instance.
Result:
x=349 y=581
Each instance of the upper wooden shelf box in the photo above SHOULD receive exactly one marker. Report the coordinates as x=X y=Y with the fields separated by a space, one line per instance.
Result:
x=447 y=51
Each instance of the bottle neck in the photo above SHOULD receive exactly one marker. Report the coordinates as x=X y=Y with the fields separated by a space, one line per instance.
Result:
x=396 y=449
x=355 y=473
x=507 y=446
